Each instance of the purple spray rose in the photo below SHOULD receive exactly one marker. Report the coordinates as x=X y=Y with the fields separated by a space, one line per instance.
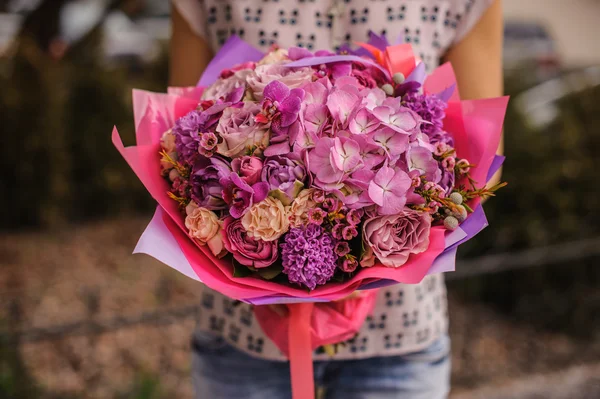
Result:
x=189 y=128
x=240 y=132
x=245 y=249
x=392 y=239
x=308 y=255
x=206 y=188
x=287 y=174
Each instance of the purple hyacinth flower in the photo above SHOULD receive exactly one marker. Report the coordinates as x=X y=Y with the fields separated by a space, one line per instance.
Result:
x=287 y=174
x=308 y=256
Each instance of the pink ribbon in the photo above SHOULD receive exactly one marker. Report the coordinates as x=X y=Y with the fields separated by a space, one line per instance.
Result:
x=301 y=364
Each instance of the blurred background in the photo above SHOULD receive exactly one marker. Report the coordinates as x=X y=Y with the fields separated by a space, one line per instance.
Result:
x=82 y=318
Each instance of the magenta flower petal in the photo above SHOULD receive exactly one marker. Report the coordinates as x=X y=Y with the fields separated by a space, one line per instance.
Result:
x=261 y=190
x=289 y=108
x=276 y=91
x=241 y=184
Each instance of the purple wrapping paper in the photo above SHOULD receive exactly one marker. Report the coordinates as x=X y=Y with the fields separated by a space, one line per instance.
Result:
x=496 y=164
x=418 y=74
x=268 y=300
x=234 y=51
x=310 y=61
x=158 y=242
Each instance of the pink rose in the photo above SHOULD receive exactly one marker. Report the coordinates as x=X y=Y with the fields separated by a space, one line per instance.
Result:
x=367 y=76
x=391 y=239
x=240 y=132
x=245 y=249
x=222 y=87
x=249 y=168
x=265 y=74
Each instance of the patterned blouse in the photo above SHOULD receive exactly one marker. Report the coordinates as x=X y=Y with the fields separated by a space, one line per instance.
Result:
x=407 y=318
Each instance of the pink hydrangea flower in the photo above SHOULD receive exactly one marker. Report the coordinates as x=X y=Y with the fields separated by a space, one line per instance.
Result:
x=332 y=160
x=389 y=188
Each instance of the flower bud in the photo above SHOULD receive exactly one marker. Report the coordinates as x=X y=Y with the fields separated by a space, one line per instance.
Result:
x=173 y=174
x=389 y=90
x=460 y=214
x=450 y=223
x=456 y=197
x=398 y=78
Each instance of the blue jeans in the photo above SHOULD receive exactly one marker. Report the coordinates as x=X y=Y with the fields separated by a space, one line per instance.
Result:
x=223 y=372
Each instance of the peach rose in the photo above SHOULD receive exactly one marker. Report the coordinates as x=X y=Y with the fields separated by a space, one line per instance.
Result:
x=204 y=226
x=267 y=220
x=299 y=209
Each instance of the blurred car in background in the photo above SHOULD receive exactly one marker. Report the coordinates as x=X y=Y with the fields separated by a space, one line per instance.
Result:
x=540 y=103
x=530 y=43
x=9 y=27
x=134 y=38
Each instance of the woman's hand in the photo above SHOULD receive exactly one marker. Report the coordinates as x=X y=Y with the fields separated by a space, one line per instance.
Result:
x=477 y=62
x=190 y=54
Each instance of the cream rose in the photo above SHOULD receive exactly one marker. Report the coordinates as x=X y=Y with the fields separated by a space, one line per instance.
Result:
x=298 y=214
x=274 y=57
x=265 y=74
x=167 y=141
x=205 y=227
x=223 y=87
x=267 y=220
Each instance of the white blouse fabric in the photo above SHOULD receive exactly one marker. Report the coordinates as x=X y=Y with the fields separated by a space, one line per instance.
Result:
x=407 y=318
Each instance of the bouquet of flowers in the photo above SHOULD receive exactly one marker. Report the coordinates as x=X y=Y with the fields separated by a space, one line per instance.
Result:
x=295 y=176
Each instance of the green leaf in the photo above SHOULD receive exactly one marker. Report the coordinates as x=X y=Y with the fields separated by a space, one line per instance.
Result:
x=281 y=196
x=240 y=270
x=269 y=273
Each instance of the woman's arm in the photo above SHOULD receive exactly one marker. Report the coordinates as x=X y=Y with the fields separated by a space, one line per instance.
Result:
x=189 y=52
x=477 y=61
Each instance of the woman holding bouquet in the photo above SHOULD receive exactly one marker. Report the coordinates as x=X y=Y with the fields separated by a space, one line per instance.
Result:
x=402 y=350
